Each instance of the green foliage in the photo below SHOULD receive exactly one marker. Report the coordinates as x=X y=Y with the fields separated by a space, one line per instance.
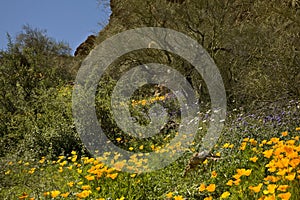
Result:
x=255 y=44
x=34 y=117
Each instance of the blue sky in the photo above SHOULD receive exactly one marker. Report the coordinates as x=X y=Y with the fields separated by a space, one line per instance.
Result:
x=70 y=21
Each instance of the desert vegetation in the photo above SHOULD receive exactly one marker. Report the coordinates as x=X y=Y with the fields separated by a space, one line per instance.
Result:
x=255 y=44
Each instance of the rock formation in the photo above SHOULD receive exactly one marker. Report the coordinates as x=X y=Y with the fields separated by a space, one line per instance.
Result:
x=84 y=48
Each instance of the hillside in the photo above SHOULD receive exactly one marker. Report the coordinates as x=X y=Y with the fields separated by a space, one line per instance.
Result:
x=68 y=133
x=255 y=44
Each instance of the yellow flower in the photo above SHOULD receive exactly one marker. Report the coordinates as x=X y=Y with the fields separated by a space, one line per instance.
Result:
x=60 y=158
x=254 y=149
x=253 y=142
x=248 y=172
x=237 y=182
x=205 y=161
x=288 y=149
x=256 y=189
x=74 y=158
x=70 y=184
x=272 y=179
x=98 y=188
x=281 y=172
x=144 y=102
x=169 y=195
x=70 y=167
x=42 y=160
x=283 y=163
x=84 y=194
x=63 y=163
x=214 y=174
x=230 y=183
x=272 y=169
x=122 y=198
x=283 y=188
x=90 y=178
x=86 y=187
x=243 y=146
x=73 y=153
x=268 y=153
x=130 y=148
x=218 y=154
x=178 y=197
x=226 y=145
x=7 y=172
x=211 y=188
x=285 y=196
x=253 y=159
x=290 y=142
x=295 y=162
x=65 y=195
x=141 y=147
x=133 y=175
x=55 y=193
x=60 y=169
x=270 y=189
x=291 y=176
x=162 y=98
x=31 y=171
x=202 y=187
x=208 y=198
x=112 y=176
x=225 y=195
x=285 y=133
x=88 y=160
x=298 y=129
x=275 y=140
x=269 y=142
x=243 y=172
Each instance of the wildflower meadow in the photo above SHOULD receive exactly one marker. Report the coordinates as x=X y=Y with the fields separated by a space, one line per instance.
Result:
x=158 y=80
x=257 y=160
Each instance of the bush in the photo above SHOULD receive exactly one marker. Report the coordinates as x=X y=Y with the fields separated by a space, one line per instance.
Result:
x=35 y=98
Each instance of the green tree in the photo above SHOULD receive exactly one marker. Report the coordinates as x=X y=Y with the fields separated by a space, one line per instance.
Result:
x=32 y=69
x=255 y=43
